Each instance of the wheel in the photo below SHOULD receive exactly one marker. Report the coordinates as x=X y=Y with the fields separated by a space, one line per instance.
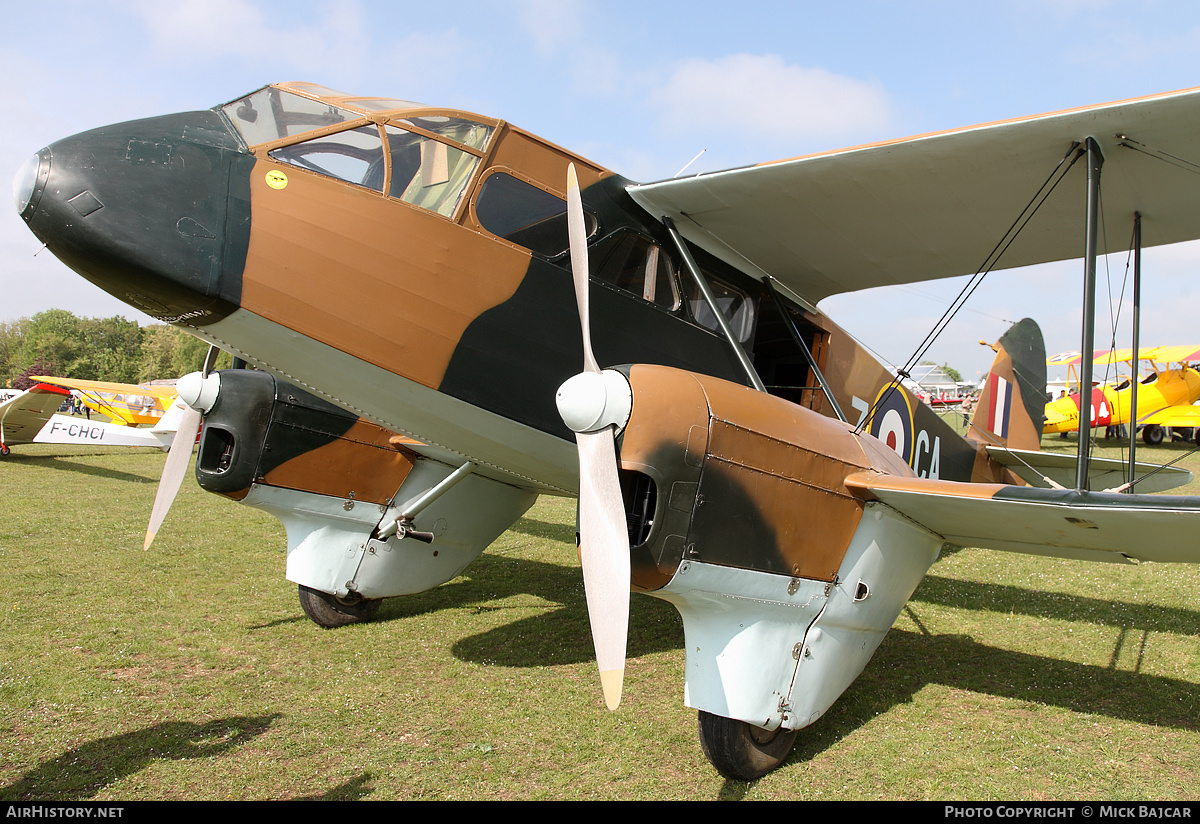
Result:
x=743 y=751
x=329 y=611
x=4 y=451
x=1152 y=434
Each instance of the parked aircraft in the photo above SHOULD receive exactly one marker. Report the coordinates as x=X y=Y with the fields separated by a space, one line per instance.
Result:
x=1164 y=397
x=31 y=416
x=401 y=277
x=123 y=403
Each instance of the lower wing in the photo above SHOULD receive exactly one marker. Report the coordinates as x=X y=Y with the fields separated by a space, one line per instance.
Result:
x=1063 y=523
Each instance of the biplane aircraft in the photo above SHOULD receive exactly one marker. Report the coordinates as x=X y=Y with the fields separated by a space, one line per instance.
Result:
x=31 y=416
x=1164 y=398
x=449 y=316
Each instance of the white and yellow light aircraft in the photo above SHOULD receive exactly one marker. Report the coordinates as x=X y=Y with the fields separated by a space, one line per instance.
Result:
x=31 y=416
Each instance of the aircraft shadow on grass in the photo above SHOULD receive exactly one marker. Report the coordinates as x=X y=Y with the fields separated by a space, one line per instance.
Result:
x=80 y=773
x=965 y=664
x=559 y=638
x=65 y=465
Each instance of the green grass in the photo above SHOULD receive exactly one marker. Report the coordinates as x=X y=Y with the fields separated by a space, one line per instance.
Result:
x=189 y=672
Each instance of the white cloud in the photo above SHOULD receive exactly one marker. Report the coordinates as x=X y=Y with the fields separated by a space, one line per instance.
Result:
x=551 y=24
x=201 y=30
x=778 y=102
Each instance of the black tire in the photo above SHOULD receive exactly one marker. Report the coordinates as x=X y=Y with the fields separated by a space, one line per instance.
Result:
x=329 y=611
x=4 y=450
x=743 y=751
x=1153 y=434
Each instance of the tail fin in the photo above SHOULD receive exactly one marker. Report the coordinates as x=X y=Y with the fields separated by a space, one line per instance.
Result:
x=169 y=422
x=1013 y=402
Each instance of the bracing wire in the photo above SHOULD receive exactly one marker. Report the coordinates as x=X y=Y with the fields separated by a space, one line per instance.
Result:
x=1006 y=240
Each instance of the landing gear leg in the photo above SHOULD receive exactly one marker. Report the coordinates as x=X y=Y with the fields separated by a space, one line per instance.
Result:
x=743 y=751
x=329 y=611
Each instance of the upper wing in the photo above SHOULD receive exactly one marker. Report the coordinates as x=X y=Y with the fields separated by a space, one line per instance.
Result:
x=109 y=386
x=23 y=416
x=1095 y=526
x=935 y=205
x=125 y=403
x=1173 y=354
x=1163 y=354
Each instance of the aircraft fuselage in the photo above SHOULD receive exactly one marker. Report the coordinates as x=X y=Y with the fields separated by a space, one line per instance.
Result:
x=446 y=316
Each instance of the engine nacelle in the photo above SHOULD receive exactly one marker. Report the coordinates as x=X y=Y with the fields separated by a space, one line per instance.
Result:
x=740 y=516
x=334 y=480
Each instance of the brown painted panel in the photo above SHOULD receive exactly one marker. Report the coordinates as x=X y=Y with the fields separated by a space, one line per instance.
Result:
x=361 y=464
x=772 y=494
x=389 y=283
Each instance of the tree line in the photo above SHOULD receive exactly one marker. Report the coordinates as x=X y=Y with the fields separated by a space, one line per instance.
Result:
x=57 y=342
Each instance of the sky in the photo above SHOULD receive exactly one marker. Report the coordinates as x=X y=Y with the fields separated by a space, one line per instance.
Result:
x=641 y=88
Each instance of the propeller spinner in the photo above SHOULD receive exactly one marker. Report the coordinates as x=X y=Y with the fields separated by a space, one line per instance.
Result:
x=594 y=404
x=198 y=392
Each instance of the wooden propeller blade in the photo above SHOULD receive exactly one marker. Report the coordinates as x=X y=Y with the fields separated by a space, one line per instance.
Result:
x=577 y=234
x=178 y=459
x=603 y=537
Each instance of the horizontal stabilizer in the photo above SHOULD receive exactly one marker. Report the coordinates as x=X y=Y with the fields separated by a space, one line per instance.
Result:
x=1062 y=523
x=1103 y=473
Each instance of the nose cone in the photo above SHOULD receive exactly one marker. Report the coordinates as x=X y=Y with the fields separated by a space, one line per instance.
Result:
x=142 y=209
x=27 y=182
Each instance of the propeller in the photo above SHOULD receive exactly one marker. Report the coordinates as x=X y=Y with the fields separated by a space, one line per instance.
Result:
x=198 y=392
x=595 y=404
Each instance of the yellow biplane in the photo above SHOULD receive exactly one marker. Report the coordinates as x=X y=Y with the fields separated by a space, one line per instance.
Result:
x=1164 y=397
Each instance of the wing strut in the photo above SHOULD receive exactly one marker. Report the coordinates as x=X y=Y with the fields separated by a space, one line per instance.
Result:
x=1095 y=160
x=1137 y=331
x=711 y=300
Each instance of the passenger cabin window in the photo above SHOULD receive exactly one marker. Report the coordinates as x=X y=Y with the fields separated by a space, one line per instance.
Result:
x=428 y=173
x=270 y=114
x=355 y=156
x=458 y=129
x=521 y=212
x=733 y=303
x=642 y=267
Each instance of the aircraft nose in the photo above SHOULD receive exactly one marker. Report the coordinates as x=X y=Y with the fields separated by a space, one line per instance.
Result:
x=29 y=181
x=142 y=210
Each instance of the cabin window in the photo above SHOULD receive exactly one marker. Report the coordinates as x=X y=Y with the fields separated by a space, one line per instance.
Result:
x=642 y=267
x=270 y=114
x=467 y=132
x=355 y=156
x=734 y=304
x=426 y=172
x=525 y=214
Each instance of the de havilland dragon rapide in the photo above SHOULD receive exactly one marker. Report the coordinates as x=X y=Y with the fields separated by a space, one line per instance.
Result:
x=440 y=317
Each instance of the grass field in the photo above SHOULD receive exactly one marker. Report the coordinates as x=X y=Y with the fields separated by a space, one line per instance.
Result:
x=189 y=671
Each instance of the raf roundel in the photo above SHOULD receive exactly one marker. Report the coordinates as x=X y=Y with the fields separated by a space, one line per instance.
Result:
x=892 y=422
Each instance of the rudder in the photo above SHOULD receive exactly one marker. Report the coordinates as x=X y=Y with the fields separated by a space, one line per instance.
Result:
x=1013 y=402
